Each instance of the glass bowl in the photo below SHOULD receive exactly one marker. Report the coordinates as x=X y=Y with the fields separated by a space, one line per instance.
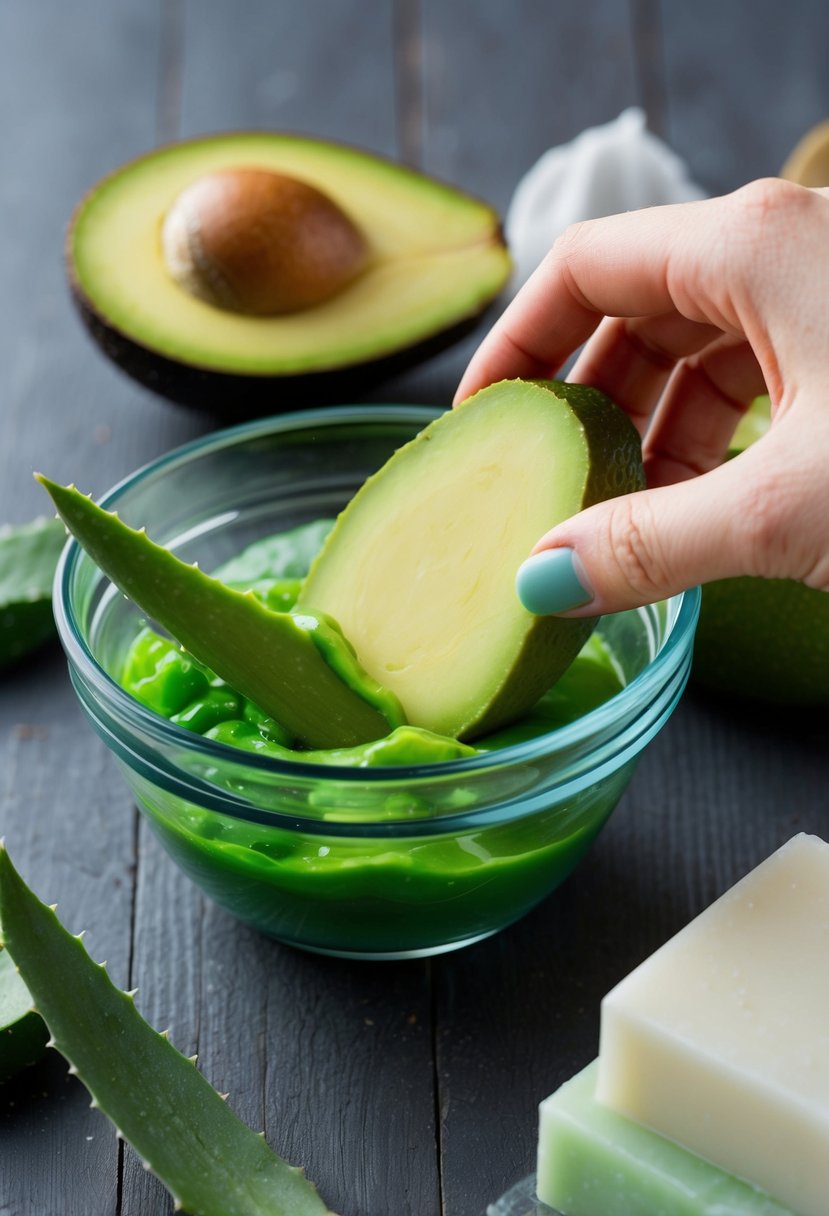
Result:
x=376 y=862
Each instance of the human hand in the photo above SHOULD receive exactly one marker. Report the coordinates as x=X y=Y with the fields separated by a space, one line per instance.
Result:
x=688 y=313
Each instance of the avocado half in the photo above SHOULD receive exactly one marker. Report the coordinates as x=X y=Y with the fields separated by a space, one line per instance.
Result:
x=436 y=259
x=766 y=640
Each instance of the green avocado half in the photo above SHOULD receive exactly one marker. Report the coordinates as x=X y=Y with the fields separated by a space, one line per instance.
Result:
x=434 y=259
x=763 y=639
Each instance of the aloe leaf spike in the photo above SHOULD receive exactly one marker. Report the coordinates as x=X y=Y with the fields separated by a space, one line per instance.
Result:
x=184 y=1131
x=273 y=658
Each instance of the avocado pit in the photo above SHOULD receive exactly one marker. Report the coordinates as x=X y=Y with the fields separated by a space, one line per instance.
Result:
x=260 y=243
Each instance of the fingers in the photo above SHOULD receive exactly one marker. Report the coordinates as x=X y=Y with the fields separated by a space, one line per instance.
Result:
x=620 y=266
x=633 y=360
x=544 y=323
x=705 y=398
x=632 y=550
x=684 y=384
x=719 y=262
x=693 y=310
x=755 y=515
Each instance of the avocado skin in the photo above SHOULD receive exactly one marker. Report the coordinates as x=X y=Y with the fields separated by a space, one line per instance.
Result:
x=231 y=397
x=764 y=640
x=758 y=639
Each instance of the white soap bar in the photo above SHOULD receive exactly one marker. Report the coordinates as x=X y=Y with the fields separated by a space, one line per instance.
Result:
x=720 y=1040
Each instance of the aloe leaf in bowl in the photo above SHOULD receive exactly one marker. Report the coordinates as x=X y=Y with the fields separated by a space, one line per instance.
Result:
x=297 y=668
x=212 y=1164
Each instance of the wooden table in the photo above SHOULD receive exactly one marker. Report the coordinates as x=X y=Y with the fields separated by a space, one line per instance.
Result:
x=405 y=1088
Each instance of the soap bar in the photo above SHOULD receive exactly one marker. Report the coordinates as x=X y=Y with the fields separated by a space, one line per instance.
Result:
x=593 y=1162
x=720 y=1040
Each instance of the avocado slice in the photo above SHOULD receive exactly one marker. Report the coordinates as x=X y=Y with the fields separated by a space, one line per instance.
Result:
x=419 y=570
x=297 y=668
x=434 y=259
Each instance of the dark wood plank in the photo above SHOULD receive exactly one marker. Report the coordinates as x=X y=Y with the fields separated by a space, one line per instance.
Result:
x=81 y=86
x=167 y=970
x=68 y=826
x=744 y=82
x=324 y=70
x=65 y=409
x=648 y=42
x=66 y=817
x=349 y=1086
x=501 y=85
x=332 y=1060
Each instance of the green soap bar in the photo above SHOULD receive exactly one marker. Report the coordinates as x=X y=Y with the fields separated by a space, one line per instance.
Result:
x=592 y=1162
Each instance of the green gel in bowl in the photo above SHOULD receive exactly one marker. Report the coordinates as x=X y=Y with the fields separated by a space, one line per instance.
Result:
x=392 y=856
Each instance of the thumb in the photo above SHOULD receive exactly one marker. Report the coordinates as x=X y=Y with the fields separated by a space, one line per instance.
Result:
x=649 y=545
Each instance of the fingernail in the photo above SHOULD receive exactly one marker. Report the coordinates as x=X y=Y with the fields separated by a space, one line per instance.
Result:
x=548 y=583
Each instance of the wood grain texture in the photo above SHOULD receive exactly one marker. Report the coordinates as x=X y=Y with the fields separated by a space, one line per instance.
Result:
x=325 y=69
x=744 y=82
x=66 y=816
x=68 y=826
x=501 y=85
x=349 y=1087
x=332 y=1060
x=86 y=87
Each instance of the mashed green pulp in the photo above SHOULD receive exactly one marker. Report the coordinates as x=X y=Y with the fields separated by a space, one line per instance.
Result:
x=160 y=675
x=384 y=871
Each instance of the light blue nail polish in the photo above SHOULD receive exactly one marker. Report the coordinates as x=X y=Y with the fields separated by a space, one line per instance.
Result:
x=548 y=583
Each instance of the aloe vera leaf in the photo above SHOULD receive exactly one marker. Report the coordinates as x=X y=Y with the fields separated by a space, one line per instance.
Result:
x=23 y=1034
x=267 y=656
x=212 y=1164
x=286 y=555
x=28 y=558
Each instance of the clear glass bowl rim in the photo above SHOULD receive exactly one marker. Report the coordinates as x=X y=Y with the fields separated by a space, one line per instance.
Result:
x=598 y=722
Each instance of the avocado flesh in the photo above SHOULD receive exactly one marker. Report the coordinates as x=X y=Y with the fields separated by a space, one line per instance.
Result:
x=419 y=570
x=436 y=257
